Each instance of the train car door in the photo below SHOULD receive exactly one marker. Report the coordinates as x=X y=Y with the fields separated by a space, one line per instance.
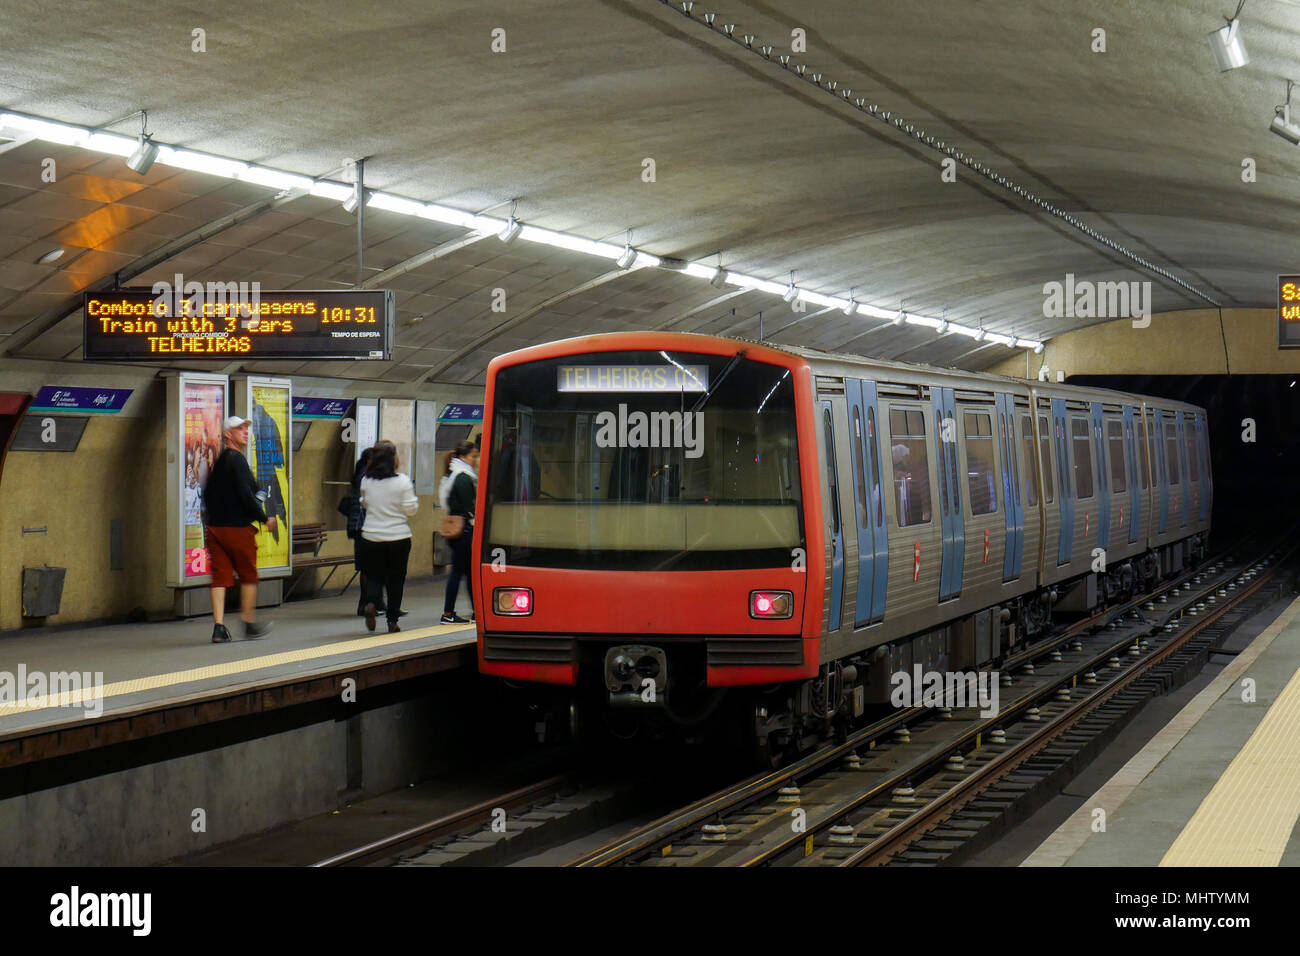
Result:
x=861 y=501
x=1134 y=499
x=1203 y=451
x=1099 y=450
x=869 y=513
x=954 y=525
x=1181 y=420
x=1159 y=455
x=837 y=527
x=1064 y=486
x=1013 y=503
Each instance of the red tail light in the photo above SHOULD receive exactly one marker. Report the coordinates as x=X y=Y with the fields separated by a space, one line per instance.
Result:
x=771 y=605
x=515 y=602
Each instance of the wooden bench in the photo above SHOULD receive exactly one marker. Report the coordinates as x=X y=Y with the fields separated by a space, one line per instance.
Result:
x=307 y=539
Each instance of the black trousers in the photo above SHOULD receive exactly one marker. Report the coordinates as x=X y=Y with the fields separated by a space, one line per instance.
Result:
x=384 y=565
x=461 y=549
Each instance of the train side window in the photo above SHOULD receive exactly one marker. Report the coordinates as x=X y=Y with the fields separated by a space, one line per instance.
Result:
x=860 y=469
x=1082 y=457
x=1115 y=441
x=873 y=447
x=911 y=458
x=1045 y=431
x=1193 y=469
x=1028 y=460
x=980 y=466
x=1153 y=436
x=1142 y=448
x=1171 y=451
x=832 y=480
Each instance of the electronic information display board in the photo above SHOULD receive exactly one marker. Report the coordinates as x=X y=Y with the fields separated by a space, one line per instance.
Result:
x=137 y=324
x=1288 y=312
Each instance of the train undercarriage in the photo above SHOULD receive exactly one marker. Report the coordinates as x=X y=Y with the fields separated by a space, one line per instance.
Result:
x=648 y=690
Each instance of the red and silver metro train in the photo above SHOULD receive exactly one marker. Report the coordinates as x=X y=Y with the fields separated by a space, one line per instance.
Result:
x=667 y=518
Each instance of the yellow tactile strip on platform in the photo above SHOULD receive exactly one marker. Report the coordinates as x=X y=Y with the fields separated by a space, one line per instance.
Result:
x=78 y=698
x=1247 y=818
x=1071 y=835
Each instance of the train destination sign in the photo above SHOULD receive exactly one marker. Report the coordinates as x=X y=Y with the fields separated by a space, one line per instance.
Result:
x=632 y=378
x=135 y=324
x=1288 y=312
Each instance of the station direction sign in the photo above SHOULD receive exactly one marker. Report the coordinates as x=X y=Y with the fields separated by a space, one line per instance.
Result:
x=220 y=325
x=461 y=414
x=306 y=407
x=74 y=398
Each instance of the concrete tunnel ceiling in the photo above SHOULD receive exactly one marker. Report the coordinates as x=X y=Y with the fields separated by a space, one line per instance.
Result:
x=1143 y=143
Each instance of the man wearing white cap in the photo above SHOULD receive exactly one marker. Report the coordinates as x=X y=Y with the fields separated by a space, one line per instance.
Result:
x=231 y=507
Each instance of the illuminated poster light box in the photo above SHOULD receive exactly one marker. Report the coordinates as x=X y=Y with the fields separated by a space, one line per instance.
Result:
x=1288 y=312
x=136 y=324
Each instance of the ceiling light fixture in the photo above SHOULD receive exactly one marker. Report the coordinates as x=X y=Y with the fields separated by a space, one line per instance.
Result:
x=900 y=318
x=1226 y=43
x=50 y=257
x=512 y=228
x=1282 y=124
x=791 y=293
x=628 y=255
x=851 y=306
x=350 y=204
x=145 y=152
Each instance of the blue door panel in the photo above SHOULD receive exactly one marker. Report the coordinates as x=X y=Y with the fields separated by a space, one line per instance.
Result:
x=1134 y=481
x=861 y=493
x=1013 y=501
x=1161 y=478
x=1099 y=447
x=837 y=534
x=880 y=536
x=1065 y=495
x=1186 y=472
x=956 y=483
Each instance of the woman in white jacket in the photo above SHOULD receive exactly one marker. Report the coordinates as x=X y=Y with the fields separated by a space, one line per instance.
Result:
x=385 y=544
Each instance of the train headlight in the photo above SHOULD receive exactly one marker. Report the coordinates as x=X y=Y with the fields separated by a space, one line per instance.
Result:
x=515 y=602
x=771 y=605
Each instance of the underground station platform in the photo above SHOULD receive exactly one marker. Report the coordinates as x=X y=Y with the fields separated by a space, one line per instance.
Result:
x=167 y=676
x=866 y=434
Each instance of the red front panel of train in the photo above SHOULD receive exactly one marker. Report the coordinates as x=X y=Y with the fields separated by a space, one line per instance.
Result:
x=643 y=486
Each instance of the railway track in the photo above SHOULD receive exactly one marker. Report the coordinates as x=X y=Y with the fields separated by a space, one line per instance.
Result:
x=447 y=827
x=913 y=787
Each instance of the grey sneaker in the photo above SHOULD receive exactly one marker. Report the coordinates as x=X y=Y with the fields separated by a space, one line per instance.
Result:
x=254 y=630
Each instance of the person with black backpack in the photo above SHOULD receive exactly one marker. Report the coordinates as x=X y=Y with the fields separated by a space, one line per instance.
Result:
x=457 y=494
x=350 y=508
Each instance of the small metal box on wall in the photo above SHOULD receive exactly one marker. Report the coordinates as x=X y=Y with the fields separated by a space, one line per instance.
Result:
x=42 y=591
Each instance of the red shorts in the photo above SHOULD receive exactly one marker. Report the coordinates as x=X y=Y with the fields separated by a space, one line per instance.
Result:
x=233 y=550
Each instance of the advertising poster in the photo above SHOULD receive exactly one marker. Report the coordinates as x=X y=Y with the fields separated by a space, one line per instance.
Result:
x=269 y=458
x=204 y=406
x=397 y=425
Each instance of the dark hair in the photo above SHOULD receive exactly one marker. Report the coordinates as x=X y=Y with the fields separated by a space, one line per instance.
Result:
x=359 y=469
x=383 y=460
x=463 y=448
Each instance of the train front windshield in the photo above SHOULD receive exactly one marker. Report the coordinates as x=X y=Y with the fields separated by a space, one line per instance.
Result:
x=667 y=461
